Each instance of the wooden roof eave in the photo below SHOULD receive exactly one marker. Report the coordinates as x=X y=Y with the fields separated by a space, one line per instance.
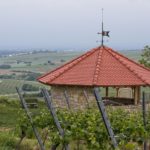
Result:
x=80 y=85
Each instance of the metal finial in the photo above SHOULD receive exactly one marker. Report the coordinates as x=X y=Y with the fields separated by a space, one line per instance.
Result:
x=103 y=33
x=102 y=28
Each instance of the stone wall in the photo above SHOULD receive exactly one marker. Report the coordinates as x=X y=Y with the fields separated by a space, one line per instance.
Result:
x=78 y=97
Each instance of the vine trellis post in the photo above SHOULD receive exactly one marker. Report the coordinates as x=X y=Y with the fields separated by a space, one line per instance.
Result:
x=144 y=117
x=48 y=100
x=104 y=116
x=24 y=105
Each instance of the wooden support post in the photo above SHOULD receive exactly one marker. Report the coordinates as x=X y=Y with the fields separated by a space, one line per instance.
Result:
x=144 y=109
x=144 y=117
x=107 y=91
x=117 y=91
x=137 y=95
x=86 y=98
x=67 y=99
x=24 y=105
x=48 y=101
x=132 y=92
x=104 y=116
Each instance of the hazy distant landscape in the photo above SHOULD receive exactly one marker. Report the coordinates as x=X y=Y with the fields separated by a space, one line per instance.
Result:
x=23 y=67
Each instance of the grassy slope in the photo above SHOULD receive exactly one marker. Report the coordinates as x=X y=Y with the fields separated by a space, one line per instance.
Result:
x=8 y=114
x=9 y=134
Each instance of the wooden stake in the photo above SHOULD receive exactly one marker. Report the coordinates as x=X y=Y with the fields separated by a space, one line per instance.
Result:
x=48 y=101
x=67 y=99
x=136 y=95
x=104 y=116
x=107 y=91
x=24 y=105
x=86 y=98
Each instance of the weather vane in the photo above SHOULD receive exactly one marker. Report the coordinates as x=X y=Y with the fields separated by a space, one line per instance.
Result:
x=103 y=33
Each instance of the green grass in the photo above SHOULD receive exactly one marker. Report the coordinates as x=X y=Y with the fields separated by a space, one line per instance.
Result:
x=7 y=141
x=9 y=132
x=8 y=112
x=8 y=116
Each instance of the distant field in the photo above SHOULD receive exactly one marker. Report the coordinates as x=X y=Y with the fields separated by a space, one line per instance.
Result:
x=39 y=61
x=4 y=72
x=8 y=86
x=132 y=54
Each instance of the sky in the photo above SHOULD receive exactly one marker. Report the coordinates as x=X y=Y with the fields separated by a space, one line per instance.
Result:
x=73 y=24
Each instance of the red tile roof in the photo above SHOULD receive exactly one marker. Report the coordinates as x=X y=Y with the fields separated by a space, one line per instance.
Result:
x=100 y=66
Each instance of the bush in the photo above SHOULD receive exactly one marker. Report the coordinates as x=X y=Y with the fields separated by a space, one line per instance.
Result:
x=62 y=60
x=31 y=76
x=4 y=66
x=7 y=76
x=7 y=101
x=29 y=87
x=3 y=99
x=37 y=94
x=50 y=62
x=145 y=56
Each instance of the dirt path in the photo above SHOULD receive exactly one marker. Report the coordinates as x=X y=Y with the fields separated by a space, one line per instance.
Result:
x=5 y=129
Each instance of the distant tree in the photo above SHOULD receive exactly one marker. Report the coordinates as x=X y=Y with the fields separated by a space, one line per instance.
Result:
x=145 y=56
x=62 y=60
x=32 y=76
x=8 y=76
x=50 y=62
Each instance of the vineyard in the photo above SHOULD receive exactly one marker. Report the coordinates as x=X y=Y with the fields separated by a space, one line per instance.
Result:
x=84 y=129
x=88 y=129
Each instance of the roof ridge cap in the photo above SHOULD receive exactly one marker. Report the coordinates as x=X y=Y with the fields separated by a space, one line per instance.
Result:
x=129 y=68
x=73 y=63
x=97 y=68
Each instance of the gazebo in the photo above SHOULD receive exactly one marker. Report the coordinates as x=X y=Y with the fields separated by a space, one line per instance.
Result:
x=99 y=67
